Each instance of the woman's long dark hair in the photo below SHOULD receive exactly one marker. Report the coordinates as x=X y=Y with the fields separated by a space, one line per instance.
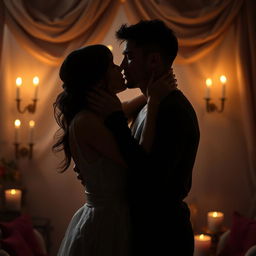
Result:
x=80 y=72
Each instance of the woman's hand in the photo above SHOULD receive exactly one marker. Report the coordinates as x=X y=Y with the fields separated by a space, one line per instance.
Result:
x=158 y=89
x=103 y=103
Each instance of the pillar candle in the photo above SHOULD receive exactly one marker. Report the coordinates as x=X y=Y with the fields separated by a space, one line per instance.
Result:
x=18 y=85
x=13 y=199
x=31 y=131
x=17 y=124
x=223 y=81
x=202 y=245
x=208 y=83
x=215 y=221
x=35 y=83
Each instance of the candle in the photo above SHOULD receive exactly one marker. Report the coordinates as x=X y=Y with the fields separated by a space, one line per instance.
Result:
x=13 y=199
x=215 y=221
x=208 y=83
x=17 y=125
x=202 y=245
x=31 y=130
x=35 y=83
x=18 y=85
x=223 y=81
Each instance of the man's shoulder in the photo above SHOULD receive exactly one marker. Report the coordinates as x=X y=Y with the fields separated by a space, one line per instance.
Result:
x=177 y=100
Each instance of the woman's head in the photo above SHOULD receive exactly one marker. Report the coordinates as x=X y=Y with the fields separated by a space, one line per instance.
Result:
x=90 y=67
x=83 y=70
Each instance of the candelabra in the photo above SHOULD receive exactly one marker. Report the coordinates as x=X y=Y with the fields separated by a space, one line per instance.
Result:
x=23 y=151
x=31 y=108
x=210 y=106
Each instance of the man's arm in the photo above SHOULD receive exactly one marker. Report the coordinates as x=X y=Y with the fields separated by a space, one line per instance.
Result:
x=134 y=154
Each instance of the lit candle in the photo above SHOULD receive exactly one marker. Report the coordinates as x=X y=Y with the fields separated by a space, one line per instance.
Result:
x=31 y=130
x=223 y=81
x=17 y=125
x=18 y=85
x=13 y=199
x=35 y=83
x=215 y=221
x=202 y=245
x=208 y=83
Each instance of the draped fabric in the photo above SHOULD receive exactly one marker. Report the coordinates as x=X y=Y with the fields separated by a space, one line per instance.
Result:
x=200 y=27
x=38 y=34
x=50 y=39
x=1 y=27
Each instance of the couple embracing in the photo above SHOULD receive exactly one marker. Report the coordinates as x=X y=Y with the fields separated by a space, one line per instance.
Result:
x=135 y=158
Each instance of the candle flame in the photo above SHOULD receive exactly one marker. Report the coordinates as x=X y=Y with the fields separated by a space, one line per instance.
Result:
x=201 y=236
x=13 y=191
x=35 y=81
x=17 y=123
x=208 y=82
x=18 y=81
x=215 y=214
x=223 y=79
x=31 y=123
x=110 y=47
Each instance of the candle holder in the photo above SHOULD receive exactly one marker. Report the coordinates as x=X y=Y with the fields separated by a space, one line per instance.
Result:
x=23 y=151
x=31 y=108
x=211 y=107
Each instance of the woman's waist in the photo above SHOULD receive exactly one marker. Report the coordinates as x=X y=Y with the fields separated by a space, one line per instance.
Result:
x=97 y=199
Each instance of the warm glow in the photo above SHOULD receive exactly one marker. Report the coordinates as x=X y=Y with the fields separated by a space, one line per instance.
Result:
x=17 y=123
x=13 y=191
x=35 y=81
x=203 y=237
x=110 y=47
x=31 y=123
x=18 y=81
x=223 y=79
x=215 y=214
x=208 y=82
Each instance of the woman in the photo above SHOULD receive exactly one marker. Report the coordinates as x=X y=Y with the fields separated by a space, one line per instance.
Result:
x=102 y=226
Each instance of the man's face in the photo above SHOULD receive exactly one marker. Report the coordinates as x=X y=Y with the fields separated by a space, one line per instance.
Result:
x=134 y=66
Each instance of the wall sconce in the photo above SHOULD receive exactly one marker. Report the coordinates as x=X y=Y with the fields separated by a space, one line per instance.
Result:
x=31 y=108
x=23 y=151
x=210 y=106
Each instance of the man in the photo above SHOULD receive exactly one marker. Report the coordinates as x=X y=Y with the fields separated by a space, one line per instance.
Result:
x=158 y=180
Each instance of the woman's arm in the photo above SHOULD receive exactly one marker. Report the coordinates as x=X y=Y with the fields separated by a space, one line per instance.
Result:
x=133 y=106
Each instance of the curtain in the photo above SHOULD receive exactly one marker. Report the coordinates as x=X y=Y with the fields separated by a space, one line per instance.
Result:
x=50 y=39
x=201 y=26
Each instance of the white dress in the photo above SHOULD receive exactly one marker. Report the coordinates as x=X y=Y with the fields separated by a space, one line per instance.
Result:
x=102 y=226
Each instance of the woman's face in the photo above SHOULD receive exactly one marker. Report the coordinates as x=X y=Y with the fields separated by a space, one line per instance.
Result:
x=114 y=78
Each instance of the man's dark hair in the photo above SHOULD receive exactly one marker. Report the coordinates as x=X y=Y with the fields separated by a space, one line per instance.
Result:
x=151 y=35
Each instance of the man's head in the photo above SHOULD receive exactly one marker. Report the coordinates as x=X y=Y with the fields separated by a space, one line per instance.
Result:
x=151 y=47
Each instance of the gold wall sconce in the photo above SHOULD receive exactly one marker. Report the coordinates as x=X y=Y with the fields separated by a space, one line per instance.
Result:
x=31 y=108
x=23 y=151
x=211 y=106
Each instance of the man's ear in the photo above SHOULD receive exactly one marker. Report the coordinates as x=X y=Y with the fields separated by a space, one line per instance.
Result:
x=154 y=61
